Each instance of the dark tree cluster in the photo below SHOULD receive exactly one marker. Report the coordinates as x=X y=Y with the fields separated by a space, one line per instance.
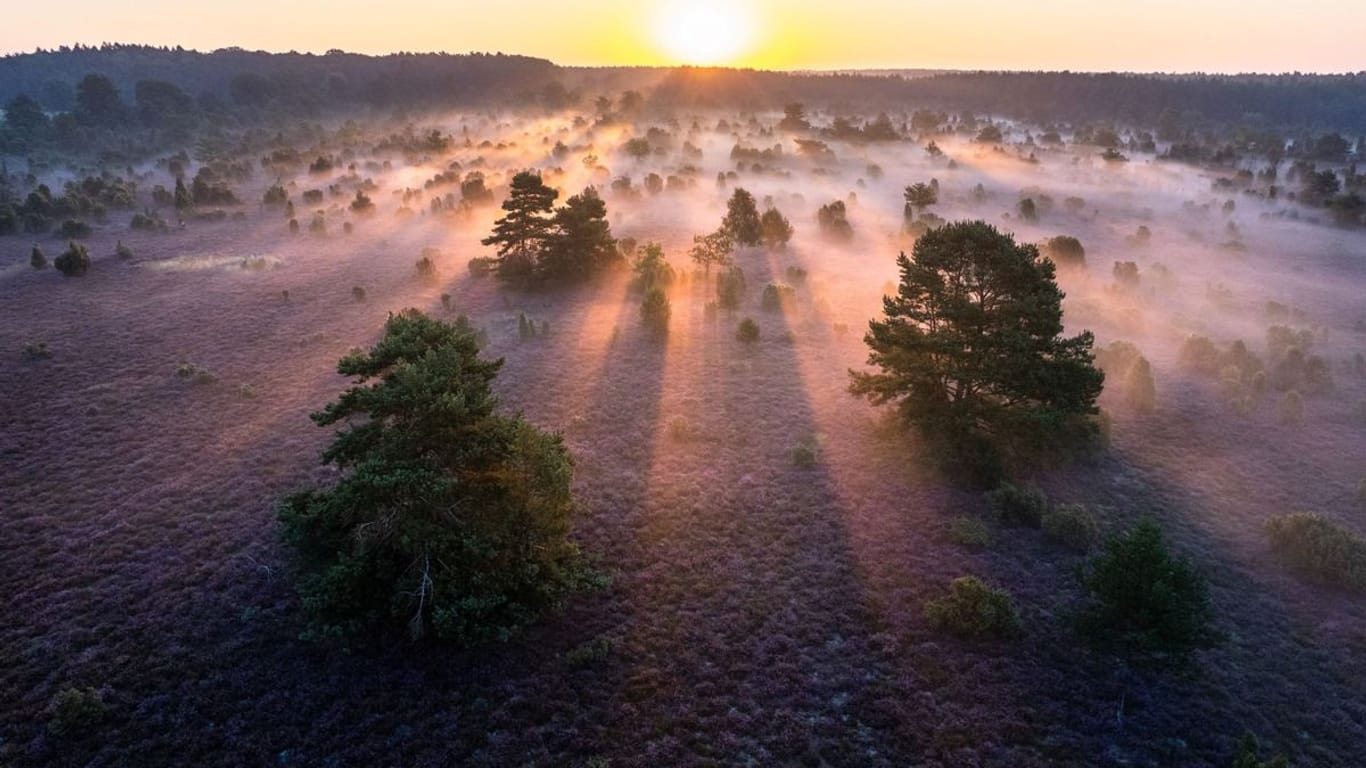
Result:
x=538 y=242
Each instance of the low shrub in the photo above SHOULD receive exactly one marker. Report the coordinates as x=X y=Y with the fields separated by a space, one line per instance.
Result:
x=481 y=266
x=590 y=653
x=122 y=251
x=655 y=312
x=1145 y=599
x=730 y=288
x=426 y=269
x=74 y=230
x=969 y=531
x=973 y=609
x=777 y=296
x=805 y=454
x=194 y=374
x=36 y=350
x=1071 y=525
x=75 y=710
x=747 y=331
x=1320 y=549
x=358 y=293
x=1011 y=505
x=37 y=259
x=74 y=261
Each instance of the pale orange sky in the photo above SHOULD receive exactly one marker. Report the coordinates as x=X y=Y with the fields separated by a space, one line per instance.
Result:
x=1159 y=35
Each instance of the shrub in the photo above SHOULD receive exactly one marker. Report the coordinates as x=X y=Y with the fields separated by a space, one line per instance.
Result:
x=426 y=268
x=1249 y=755
x=75 y=710
x=1291 y=408
x=1071 y=525
x=481 y=266
x=358 y=293
x=969 y=531
x=275 y=195
x=37 y=259
x=1144 y=598
x=776 y=296
x=1011 y=505
x=1065 y=251
x=36 y=350
x=74 y=261
x=123 y=251
x=730 y=288
x=449 y=519
x=972 y=609
x=74 y=230
x=194 y=373
x=747 y=331
x=654 y=313
x=592 y=652
x=1314 y=546
x=805 y=454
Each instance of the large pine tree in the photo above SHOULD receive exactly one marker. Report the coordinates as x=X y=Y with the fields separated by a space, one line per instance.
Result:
x=580 y=241
x=521 y=233
x=971 y=348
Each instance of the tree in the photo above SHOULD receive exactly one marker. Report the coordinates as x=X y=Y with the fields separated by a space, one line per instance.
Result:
x=833 y=221
x=777 y=230
x=1065 y=251
x=97 y=100
x=638 y=148
x=794 y=118
x=163 y=104
x=25 y=116
x=183 y=200
x=580 y=241
x=715 y=248
x=919 y=196
x=448 y=519
x=654 y=313
x=971 y=350
x=742 y=219
x=523 y=230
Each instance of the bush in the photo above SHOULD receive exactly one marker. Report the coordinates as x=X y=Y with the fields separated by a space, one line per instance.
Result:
x=730 y=288
x=777 y=296
x=972 y=609
x=74 y=230
x=1314 y=546
x=1071 y=525
x=971 y=532
x=35 y=350
x=654 y=313
x=1291 y=408
x=1065 y=251
x=805 y=454
x=75 y=711
x=37 y=259
x=426 y=269
x=592 y=652
x=481 y=266
x=1249 y=755
x=194 y=373
x=358 y=293
x=1018 y=506
x=74 y=261
x=122 y=251
x=1145 y=599
x=449 y=520
x=748 y=331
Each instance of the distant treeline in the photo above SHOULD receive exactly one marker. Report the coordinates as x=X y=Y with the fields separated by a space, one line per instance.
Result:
x=302 y=82
x=239 y=85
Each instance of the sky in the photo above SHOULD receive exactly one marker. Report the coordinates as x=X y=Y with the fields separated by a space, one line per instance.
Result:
x=1156 y=35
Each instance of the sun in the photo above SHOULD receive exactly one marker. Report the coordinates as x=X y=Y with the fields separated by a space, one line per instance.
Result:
x=704 y=31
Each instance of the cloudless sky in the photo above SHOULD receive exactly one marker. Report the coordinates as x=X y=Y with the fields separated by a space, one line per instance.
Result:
x=1156 y=35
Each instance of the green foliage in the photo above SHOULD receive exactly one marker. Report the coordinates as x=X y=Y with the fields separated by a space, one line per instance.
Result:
x=74 y=261
x=588 y=654
x=1012 y=505
x=833 y=221
x=730 y=288
x=1250 y=755
x=974 y=610
x=1065 y=251
x=776 y=229
x=1145 y=599
x=448 y=520
x=654 y=313
x=742 y=222
x=1071 y=525
x=579 y=242
x=970 y=532
x=971 y=350
x=806 y=453
x=748 y=331
x=75 y=711
x=523 y=230
x=712 y=249
x=1320 y=549
x=652 y=270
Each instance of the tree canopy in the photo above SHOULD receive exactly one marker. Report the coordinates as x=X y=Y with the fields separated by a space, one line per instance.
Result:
x=971 y=350
x=448 y=519
x=522 y=231
x=742 y=221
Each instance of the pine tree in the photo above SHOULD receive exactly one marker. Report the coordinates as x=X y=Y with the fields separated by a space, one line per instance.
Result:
x=580 y=242
x=522 y=231
x=742 y=219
